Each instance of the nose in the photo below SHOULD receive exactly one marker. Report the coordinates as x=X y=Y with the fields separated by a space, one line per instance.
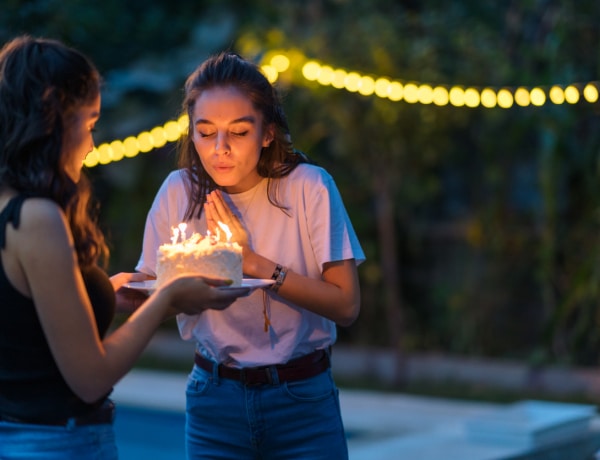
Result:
x=91 y=141
x=222 y=144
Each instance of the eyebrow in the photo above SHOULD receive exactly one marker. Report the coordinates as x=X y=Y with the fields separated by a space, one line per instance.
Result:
x=246 y=119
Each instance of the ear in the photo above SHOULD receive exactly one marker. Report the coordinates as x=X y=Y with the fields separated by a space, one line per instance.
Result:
x=269 y=135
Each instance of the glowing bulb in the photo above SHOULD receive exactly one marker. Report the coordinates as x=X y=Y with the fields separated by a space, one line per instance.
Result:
x=590 y=93
x=488 y=98
x=91 y=159
x=325 y=75
x=382 y=87
x=571 y=94
x=339 y=78
x=396 y=91
x=310 y=70
x=352 y=81
x=425 y=94
x=557 y=95
x=538 y=97
x=159 y=136
x=184 y=122
x=472 y=98
x=270 y=72
x=522 y=97
x=172 y=131
x=457 y=96
x=411 y=93
x=132 y=147
x=104 y=153
x=118 y=150
x=366 y=86
x=145 y=141
x=280 y=62
x=505 y=98
x=440 y=96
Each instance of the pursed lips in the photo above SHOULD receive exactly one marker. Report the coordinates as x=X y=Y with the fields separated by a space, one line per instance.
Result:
x=223 y=167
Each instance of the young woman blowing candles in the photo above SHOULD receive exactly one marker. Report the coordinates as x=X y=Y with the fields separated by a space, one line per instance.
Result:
x=57 y=365
x=261 y=385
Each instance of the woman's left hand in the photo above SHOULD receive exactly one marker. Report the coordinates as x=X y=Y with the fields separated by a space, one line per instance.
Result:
x=217 y=210
x=128 y=300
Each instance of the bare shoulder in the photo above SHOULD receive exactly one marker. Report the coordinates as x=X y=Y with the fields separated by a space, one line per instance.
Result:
x=41 y=240
x=42 y=217
x=39 y=210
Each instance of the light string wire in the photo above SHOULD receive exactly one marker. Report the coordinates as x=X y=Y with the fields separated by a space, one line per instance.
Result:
x=283 y=62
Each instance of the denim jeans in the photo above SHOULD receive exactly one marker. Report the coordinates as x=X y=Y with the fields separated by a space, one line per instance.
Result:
x=44 y=442
x=225 y=419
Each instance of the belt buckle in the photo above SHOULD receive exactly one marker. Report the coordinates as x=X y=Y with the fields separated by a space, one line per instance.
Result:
x=269 y=375
x=251 y=376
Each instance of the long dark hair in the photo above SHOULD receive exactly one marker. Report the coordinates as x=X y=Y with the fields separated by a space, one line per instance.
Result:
x=276 y=161
x=42 y=83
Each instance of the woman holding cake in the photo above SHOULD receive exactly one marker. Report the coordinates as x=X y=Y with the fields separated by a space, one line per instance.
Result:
x=261 y=386
x=57 y=364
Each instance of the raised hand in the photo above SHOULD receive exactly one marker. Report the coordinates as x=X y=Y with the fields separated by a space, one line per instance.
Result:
x=217 y=210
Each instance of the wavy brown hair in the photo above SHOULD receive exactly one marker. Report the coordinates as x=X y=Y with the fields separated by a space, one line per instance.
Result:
x=276 y=161
x=42 y=83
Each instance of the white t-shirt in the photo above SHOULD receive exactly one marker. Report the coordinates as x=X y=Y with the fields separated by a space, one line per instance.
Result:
x=316 y=230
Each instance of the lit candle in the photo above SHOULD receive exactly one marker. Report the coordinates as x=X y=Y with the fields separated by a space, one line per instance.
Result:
x=175 y=235
x=182 y=226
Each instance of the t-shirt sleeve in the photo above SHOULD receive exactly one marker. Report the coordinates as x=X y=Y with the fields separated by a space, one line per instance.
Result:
x=331 y=232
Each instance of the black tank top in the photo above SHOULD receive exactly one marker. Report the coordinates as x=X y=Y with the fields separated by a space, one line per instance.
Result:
x=31 y=386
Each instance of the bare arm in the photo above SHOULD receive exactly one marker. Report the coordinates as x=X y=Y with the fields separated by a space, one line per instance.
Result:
x=50 y=274
x=335 y=296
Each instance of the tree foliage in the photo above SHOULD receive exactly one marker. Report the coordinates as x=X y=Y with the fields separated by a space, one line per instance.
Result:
x=493 y=224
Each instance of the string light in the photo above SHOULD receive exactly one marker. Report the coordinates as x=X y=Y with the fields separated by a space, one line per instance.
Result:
x=142 y=143
x=276 y=62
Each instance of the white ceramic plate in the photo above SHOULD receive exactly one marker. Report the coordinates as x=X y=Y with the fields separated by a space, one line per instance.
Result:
x=149 y=286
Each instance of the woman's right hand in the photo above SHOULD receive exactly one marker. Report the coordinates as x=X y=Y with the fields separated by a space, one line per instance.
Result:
x=192 y=294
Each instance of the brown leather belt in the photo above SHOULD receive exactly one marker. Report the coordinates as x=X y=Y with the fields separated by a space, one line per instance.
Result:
x=297 y=369
x=105 y=414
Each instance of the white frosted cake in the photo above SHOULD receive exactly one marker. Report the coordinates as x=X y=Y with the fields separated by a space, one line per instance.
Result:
x=206 y=256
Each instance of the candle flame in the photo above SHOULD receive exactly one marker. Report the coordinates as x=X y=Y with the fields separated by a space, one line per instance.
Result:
x=175 y=232
x=225 y=228
x=182 y=227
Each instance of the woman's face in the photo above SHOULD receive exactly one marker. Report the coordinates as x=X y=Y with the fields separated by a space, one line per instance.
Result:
x=228 y=136
x=78 y=140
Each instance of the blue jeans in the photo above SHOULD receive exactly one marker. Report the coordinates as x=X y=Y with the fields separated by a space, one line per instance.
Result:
x=44 y=442
x=225 y=419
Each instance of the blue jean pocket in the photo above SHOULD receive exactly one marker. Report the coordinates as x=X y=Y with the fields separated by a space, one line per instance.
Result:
x=198 y=382
x=316 y=388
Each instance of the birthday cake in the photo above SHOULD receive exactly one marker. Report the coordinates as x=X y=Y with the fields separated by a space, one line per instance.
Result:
x=207 y=256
